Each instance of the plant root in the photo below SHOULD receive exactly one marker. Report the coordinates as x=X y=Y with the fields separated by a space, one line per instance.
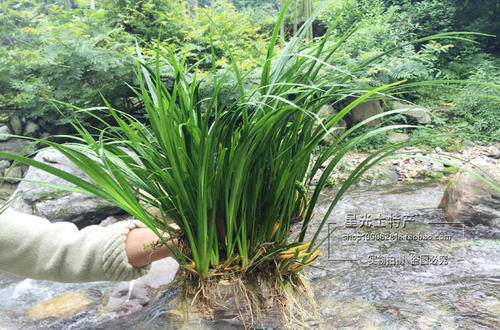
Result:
x=257 y=299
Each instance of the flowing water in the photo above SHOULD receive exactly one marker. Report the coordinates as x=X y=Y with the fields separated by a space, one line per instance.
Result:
x=391 y=263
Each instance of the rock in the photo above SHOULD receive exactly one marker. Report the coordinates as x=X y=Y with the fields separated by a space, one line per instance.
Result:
x=4 y=164
x=366 y=110
x=419 y=113
x=438 y=150
x=13 y=174
x=469 y=200
x=380 y=174
x=335 y=132
x=62 y=307
x=127 y=298
x=395 y=137
x=15 y=146
x=16 y=124
x=4 y=130
x=469 y=144
x=30 y=128
x=44 y=135
x=324 y=113
x=133 y=296
x=57 y=205
x=493 y=151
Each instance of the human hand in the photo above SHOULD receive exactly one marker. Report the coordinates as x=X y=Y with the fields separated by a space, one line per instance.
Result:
x=139 y=238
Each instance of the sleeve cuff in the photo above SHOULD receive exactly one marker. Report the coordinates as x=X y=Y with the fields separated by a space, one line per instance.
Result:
x=115 y=262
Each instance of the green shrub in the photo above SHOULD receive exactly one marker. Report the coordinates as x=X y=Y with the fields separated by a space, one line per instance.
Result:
x=73 y=57
x=479 y=104
x=241 y=34
x=147 y=19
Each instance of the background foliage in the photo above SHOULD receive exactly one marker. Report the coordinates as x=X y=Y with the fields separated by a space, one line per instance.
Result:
x=59 y=49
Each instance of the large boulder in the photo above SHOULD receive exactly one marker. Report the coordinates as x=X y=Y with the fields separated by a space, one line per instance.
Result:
x=57 y=205
x=366 y=110
x=420 y=114
x=470 y=201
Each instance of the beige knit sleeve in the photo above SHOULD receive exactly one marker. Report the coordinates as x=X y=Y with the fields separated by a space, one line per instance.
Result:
x=34 y=247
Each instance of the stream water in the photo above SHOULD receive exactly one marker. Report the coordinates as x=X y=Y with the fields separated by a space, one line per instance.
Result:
x=391 y=263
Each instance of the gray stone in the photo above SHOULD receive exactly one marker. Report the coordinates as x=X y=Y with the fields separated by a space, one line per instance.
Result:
x=366 y=110
x=4 y=164
x=13 y=175
x=419 y=113
x=395 y=137
x=15 y=146
x=31 y=128
x=380 y=174
x=4 y=130
x=471 y=201
x=57 y=205
x=493 y=151
x=127 y=298
x=438 y=150
x=469 y=144
x=16 y=124
x=324 y=113
x=335 y=132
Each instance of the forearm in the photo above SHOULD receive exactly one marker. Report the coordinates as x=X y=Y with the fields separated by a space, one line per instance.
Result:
x=33 y=247
x=143 y=246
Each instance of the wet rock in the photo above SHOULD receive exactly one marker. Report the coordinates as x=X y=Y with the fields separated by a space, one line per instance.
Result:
x=62 y=307
x=127 y=299
x=395 y=137
x=57 y=205
x=471 y=201
x=4 y=130
x=419 y=113
x=366 y=110
x=131 y=297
